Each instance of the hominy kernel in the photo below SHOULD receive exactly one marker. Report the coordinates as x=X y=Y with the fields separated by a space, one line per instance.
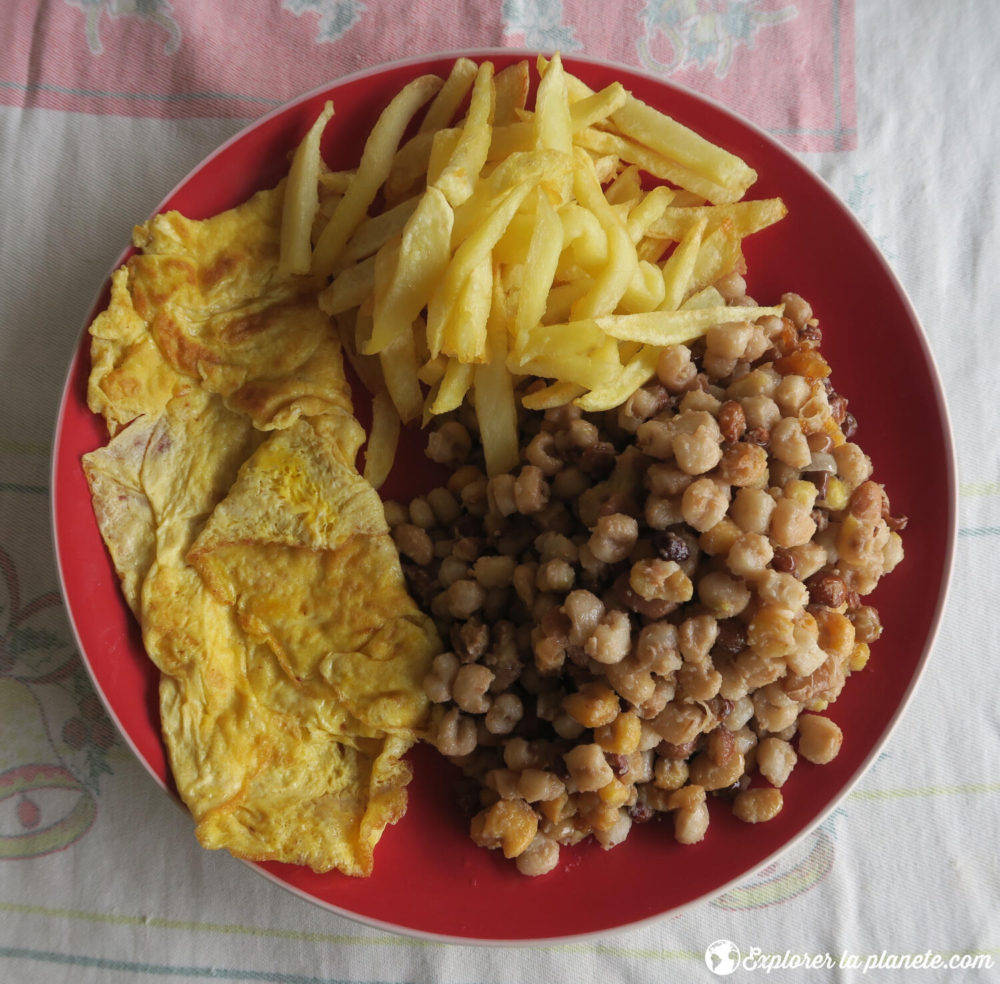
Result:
x=758 y=804
x=820 y=739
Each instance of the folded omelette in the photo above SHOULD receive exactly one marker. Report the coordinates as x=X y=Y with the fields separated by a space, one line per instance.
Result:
x=256 y=559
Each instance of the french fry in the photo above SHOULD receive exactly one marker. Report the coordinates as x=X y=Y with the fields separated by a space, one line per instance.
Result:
x=645 y=291
x=612 y=282
x=637 y=372
x=445 y=104
x=400 y=370
x=464 y=332
x=376 y=162
x=679 y=267
x=553 y=395
x=553 y=123
x=467 y=257
x=597 y=106
x=373 y=233
x=671 y=327
x=420 y=260
x=651 y=128
x=746 y=218
x=512 y=85
x=493 y=394
x=645 y=213
x=541 y=259
x=605 y=142
x=452 y=387
x=720 y=253
x=457 y=179
x=301 y=201
x=383 y=438
x=349 y=288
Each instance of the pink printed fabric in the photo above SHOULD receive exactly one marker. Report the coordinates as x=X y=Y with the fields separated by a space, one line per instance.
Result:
x=787 y=66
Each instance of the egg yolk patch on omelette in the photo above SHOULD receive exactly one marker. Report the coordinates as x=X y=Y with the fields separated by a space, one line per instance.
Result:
x=254 y=556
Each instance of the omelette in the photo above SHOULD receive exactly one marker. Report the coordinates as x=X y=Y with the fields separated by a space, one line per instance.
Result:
x=253 y=554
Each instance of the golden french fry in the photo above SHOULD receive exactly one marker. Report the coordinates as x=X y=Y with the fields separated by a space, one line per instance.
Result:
x=301 y=202
x=464 y=333
x=420 y=260
x=443 y=107
x=607 y=143
x=553 y=123
x=577 y=352
x=457 y=179
x=645 y=291
x=383 y=438
x=626 y=189
x=373 y=233
x=651 y=128
x=720 y=253
x=511 y=138
x=512 y=85
x=637 y=372
x=610 y=283
x=706 y=297
x=376 y=162
x=493 y=395
x=452 y=387
x=679 y=267
x=534 y=166
x=584 y=235
x=466 y=258
x=553 y=395
x=400 y=370
x=432 y=370
x=335 y=182
x=349 y=288
x=746 y=218
x=644 y=214
x=541 y=262
x=597 y=106
x=672 y=327
x=591 y=369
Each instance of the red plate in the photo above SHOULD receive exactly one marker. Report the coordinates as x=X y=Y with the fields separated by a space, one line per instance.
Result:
x=429 y=878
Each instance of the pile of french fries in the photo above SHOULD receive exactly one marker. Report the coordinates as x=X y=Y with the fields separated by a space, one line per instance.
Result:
x=499 y=248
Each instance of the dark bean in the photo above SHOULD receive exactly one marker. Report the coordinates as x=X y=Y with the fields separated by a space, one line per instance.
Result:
x=783 y=561
x=821 y=479
x=671 y=546
x=598 y=460
x=838 y=407
x=827 y=589
x=732 y=637
x=619 y=763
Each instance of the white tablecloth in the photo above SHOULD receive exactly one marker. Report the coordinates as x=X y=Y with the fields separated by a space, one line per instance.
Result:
x=105 y=104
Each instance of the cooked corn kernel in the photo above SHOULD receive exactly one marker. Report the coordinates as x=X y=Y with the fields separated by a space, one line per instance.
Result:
x=860 y=655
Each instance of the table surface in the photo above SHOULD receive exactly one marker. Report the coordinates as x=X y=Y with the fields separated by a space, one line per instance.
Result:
x=106 y=104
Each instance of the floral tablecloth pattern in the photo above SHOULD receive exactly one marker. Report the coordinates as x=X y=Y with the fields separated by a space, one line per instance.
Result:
x=106 y=104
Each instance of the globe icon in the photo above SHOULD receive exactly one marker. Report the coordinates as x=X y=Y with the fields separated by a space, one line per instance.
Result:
x=722 y=957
